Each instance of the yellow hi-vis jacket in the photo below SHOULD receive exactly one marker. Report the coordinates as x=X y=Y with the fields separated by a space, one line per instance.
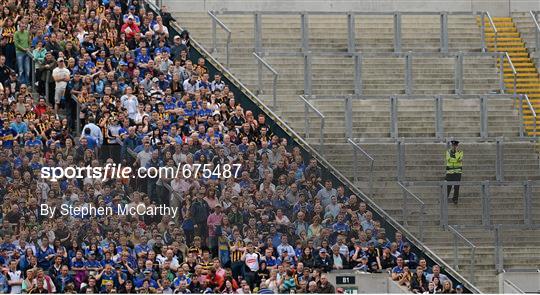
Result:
x=454 y=161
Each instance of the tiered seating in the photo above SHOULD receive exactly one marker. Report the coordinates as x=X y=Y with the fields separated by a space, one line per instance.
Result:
x=371 y=119
x=528 y=81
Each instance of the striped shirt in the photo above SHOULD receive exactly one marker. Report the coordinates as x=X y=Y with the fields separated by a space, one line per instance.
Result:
x=237 y=254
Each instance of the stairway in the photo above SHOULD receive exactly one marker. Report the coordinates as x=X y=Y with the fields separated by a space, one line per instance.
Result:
x=527 y=30
x=528 y=81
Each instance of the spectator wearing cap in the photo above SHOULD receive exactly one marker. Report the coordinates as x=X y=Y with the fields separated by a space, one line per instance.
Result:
x=409 y=258
x=130 y=28
x=324 y=261
x=131 y=12
x=459 y=289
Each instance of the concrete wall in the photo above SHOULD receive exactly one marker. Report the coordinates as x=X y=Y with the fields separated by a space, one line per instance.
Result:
x=528 y=282
x=495 y=7
x=377 y=283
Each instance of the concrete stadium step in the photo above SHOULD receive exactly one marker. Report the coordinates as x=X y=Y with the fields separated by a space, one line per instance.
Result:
x=423 y=162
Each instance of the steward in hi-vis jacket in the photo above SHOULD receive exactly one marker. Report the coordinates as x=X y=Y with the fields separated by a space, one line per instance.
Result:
x=454 y=165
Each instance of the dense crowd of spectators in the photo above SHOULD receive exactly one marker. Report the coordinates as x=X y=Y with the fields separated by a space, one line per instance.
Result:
x=278 y=227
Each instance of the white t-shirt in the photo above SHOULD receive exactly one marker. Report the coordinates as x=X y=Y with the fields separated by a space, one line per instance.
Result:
x=252 y=261
x=15 y=276
x=60 y=73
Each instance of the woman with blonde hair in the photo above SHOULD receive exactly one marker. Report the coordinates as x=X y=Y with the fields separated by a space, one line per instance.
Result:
x=448 y=288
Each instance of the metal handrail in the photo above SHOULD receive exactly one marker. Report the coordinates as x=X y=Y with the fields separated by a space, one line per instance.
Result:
x=516 y=288
x=459 y=235
x=407 y=192
x=494 y=29
x=215 y=21
x=261 y=62
x=533 y=112
x=78 y=115
x=514 y=72
x=384 y=54
x=241 y=12
x=376 y=208
x=33 y=71
x=307 y=129
x=536 y=32
x=358 y=56
x=530 y=105
x=356 y=149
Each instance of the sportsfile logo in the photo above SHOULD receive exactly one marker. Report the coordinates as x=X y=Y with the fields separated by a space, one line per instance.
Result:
x=114 y=171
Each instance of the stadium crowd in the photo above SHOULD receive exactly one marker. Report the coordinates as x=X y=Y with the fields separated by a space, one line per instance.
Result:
x=278 y=227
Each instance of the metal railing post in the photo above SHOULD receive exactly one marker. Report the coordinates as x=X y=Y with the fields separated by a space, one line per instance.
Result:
x=444 y=205
x=260 y=63
x=307 y=73
x=393 y=117
x=307 y=126
x=458 y=84
x=444 y=32
x=421 y=225
x=456 y=253
x=514 y=72
x=486 y=204
x=527 y=194
x=356 y=149
x=502 y=85
x=274 y=91
x=400 y=159
x=408 y=73
x=348 y=117
x=357 y=73
x=499 y=259
x=521 y=117
x=534 y=16
x=495 y=31
x=321 y=136
x=483 y=117
x=397 y=32
x=355 y=165
x=439 y=120
x=351 y=32
x=483 y=31
x=370 y=188
x=259 y=77
x=215 y=22
x=305 y=31
x=33 y=73
x=214 y=36
x=405 y=209
x=47 y=81
x=78 y=115
x=472 y=273
x=499 y=165
x=258 y=33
